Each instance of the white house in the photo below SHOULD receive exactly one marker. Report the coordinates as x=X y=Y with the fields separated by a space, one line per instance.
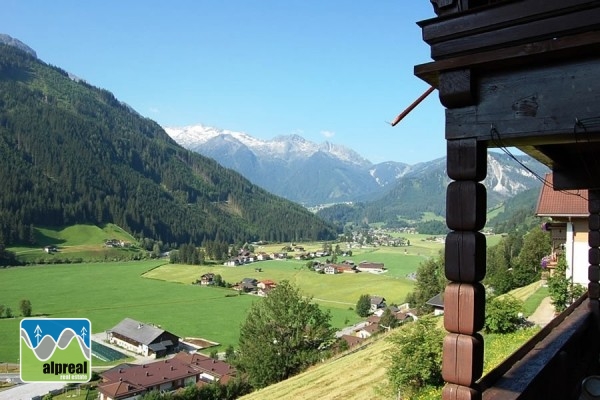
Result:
x=568 y=211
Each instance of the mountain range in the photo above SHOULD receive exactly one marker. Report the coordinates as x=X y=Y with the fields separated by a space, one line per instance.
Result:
x=314 y=174
x=71 y=153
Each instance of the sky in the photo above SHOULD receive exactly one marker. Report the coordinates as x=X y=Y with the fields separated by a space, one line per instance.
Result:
x=328 y=70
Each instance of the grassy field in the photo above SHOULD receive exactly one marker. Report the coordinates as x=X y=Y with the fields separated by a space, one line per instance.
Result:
x=159 y=293
x=78 y=241
x=108 y=292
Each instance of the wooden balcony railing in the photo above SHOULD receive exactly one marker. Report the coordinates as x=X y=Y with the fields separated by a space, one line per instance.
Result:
x=554 y=362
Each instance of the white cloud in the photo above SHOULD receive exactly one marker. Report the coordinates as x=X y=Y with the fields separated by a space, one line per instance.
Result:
x=328 y=134
x=154 y=110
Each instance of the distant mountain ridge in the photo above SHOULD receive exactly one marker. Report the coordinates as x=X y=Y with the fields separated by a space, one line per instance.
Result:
x=313 y=174
x=10 y=41
x=71 y=153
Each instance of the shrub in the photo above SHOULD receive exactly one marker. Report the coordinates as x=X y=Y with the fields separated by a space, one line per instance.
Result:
x=502 y=315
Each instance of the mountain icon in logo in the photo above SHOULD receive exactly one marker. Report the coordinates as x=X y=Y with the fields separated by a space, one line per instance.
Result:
x=55 y=350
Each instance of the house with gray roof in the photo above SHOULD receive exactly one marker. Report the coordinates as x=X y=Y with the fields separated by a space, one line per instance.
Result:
x=144 y=339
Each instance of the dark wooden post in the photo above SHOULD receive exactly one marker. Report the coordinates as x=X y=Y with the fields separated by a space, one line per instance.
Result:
x=594 y=252
x=465 y=255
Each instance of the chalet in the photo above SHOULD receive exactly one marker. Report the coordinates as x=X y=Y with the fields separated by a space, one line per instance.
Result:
x=365 y=266
x=265 y=284
x=279 y=256
x=569 y=215
x=246 y=285
x=368 y=331
x=352 y=340
x=331 y=270
x=263 y=256
x=129 y=381
x=264 y=287
x=437 y=302
x=144 y=339
x=377 y=303
x=232 y=262
x=207 y=279
x=301 y=256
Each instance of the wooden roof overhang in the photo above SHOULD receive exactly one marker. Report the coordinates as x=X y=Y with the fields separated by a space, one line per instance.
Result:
x=522 y=73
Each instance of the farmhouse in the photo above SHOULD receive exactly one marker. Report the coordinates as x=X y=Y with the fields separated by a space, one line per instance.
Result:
x=377 y=302
x=144 y=339
x=246 y=285
x=127 y=381
x=339 y=269
x=365 y=266
x=264 y=287
x=437 y=302
x=207 y=279
x=568 y=211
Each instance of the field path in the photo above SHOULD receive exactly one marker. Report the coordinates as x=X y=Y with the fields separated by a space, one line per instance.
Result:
x=334 y=301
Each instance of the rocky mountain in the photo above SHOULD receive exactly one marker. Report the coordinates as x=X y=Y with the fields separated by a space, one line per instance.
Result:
x=313 y=174
x=10 y=41
x=291 y=166
x=71 y=153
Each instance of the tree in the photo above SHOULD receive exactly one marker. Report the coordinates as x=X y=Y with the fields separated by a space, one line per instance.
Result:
x=25 y=307
x=502 y=314
x=416 y=358
x=230 y=354
x=499 y=275
x=283 y=334
x=363 y=305
x=388 y=319
x=562 y=290
x=536 y=244
x=430 y=282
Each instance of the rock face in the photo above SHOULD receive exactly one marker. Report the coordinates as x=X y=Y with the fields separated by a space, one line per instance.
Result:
x=8 y=40
x=313 y=174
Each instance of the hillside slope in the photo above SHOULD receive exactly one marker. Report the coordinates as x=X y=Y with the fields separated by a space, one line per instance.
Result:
x=72 y=153
x=358 y=375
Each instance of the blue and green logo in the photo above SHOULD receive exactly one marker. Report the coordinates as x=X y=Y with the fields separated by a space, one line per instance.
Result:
x=56 y=350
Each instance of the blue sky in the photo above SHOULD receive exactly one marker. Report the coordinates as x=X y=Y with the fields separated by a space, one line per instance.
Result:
x=325 y=69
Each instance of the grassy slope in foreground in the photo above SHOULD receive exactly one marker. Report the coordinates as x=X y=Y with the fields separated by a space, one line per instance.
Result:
x=362 y=374
x=357 y=375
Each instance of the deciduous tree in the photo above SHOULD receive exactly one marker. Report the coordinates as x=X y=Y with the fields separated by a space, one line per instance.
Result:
x=283 y=334
x=416 y=358
x=363 y=305
x=25 y=306
x=536 y=244
x=502 y=314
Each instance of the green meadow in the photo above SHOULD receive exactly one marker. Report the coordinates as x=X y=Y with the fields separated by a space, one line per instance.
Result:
x=160 y=293
x=153 y=291
x=85 y=242
x=108 y=292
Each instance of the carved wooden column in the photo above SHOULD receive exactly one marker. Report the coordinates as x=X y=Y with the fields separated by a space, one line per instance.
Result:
x=465 y=257
x=594 y=252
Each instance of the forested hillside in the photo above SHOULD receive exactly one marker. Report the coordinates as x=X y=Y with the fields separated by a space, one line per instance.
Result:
x=72 y=153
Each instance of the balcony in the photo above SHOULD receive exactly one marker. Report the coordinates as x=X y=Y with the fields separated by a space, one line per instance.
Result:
x=525 y=74
x=554 y=362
